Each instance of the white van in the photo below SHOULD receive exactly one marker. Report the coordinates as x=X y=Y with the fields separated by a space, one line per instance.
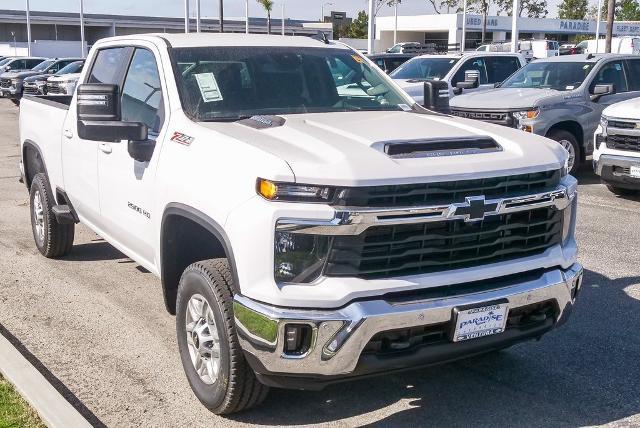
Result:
x=545 y=48
x=622 y=45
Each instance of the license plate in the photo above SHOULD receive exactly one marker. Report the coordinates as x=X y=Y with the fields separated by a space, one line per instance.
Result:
x=479 y=322
x=634 y=171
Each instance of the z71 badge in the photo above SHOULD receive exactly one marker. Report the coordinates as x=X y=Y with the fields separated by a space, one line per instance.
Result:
x=181 y=138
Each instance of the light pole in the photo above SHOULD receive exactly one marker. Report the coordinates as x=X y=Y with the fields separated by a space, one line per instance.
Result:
x=598 y=24
x=514 y=26
x=197 y=16
x=371 y=30
x=186 y=16
x=322 y=10
x=395 y=25
x=246 y=12
x=28 y=30
x=84 y=54
x=221 y=4
x=283 y=17
x=464 y=26
x=15 y=47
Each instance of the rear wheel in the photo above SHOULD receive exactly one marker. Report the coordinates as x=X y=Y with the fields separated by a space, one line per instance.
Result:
x=52 y=238
x=567 y=140
x=211 y=355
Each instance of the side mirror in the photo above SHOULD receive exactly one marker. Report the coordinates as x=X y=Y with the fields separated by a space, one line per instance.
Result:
x=436 y=96
x=99 y=119
x=7 y=68
x=471 y=80
x=601 y=90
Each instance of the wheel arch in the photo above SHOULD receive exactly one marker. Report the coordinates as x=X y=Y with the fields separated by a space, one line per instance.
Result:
x=33 y=162
x=188 y=235
x=575 y=129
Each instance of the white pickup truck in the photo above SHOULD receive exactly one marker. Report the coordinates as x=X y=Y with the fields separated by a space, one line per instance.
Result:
x=616 y=157
x=309 y=222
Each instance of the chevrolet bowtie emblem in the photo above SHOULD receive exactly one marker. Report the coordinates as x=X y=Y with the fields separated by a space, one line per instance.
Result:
x=475 y=208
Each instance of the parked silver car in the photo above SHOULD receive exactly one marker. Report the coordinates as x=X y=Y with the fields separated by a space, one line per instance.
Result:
x=561 y=98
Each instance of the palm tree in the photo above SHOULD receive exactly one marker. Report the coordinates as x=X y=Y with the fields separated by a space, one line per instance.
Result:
x=268 y=7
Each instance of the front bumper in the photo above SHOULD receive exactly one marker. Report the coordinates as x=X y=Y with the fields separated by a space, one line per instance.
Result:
x=614 y=169
x=339 y=337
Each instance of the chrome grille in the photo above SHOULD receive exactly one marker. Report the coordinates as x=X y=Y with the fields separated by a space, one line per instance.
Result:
x=5 y=83
x=504 y=118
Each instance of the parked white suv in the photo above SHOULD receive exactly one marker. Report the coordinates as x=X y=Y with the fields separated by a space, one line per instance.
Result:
x=616 y=158
x=469 y=72
x=304 y=232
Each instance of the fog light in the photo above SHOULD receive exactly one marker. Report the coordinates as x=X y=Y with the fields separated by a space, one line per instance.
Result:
x=297 y=339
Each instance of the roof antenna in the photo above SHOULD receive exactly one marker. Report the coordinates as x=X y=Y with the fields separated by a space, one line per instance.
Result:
x=590 y=55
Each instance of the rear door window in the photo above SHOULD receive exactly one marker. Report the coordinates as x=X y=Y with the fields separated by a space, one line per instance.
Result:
x=107 y=66
x=501 y=67
x=634 y=70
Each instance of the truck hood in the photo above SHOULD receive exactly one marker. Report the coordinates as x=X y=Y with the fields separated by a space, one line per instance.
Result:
x=411 y=87
x=504 y=98
x=21 y=74
x=346 y=149
x=629 y=109
x=69 y=77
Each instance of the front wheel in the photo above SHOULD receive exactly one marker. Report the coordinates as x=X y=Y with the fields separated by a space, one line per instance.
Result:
x=621 y=191
x=567 y=140
x=209 y=349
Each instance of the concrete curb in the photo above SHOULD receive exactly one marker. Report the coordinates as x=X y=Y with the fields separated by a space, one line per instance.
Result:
x=53 y=409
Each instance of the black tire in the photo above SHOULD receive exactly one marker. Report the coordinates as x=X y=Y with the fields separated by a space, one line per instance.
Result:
x=236 y=387
x=55 y=239
x=620 y=191
x=16 y=102
x=560 y=135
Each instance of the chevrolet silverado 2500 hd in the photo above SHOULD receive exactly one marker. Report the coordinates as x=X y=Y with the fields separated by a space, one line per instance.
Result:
x=616 y=158
x=310 y=223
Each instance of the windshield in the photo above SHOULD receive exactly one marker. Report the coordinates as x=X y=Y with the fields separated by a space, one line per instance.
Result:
x=424 y=68
x=74 y=67
x=43 y=66
x=4 y=61
x=229 y=83
x=561 y=76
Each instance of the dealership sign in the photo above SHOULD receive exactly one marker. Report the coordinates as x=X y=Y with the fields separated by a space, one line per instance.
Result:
x=546 y=25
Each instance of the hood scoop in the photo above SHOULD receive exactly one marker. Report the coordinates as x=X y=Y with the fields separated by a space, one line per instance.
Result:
x=263 y=122
x=438 y=147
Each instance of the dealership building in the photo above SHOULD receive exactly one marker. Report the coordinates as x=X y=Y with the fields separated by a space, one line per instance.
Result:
x=446 y=29
x=58 y=33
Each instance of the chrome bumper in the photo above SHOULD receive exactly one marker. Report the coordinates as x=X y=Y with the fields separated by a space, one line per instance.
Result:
x=339 y=336
x=614 y=160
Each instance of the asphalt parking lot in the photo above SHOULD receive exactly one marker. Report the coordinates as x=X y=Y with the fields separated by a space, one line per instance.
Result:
x=95 y=323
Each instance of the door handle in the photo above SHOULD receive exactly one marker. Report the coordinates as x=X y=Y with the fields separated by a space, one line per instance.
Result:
x=68 y=133
x=105 y=148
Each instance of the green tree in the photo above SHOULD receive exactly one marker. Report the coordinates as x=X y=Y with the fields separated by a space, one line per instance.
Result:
x=359 y=26
x=628 y=10
x=531 y=8
x=573 y=9
x=267 y=5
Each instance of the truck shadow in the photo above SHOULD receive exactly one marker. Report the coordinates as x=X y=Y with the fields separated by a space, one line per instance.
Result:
x=584 y=373
x=97 y=250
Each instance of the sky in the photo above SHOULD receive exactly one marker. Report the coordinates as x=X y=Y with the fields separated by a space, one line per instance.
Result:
x=297 y=9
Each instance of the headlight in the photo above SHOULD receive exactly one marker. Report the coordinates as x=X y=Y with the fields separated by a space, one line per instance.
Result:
x=604 y=122
x=299 y=257
x=289 y=192
x=526 y=114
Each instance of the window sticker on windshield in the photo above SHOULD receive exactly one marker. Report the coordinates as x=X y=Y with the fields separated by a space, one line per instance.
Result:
x=208 y=87
x=570 y=87
x=584 y=67
x=618 y=66
x=404 y=107
x=357 y=58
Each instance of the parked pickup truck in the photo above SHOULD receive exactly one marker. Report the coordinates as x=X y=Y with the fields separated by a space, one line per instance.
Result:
x=561 y=98
x=616 y=158
x=304 y=233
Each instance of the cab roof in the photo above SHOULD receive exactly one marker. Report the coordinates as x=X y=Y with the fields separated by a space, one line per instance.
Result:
x=182 y=40
x=468 y=54
x=585 y=57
